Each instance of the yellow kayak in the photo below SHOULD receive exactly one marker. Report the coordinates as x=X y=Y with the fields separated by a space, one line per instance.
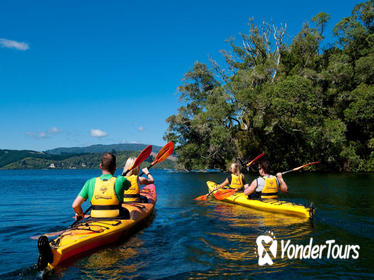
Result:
x=94 y=233
x=269 y=205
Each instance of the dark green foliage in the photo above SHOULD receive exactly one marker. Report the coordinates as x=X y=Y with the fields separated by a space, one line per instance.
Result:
x=298 y=103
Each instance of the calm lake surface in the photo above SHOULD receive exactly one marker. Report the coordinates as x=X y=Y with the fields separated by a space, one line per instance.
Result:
x=187 y=239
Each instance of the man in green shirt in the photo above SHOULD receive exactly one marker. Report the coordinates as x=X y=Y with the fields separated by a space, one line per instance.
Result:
x=99 y=193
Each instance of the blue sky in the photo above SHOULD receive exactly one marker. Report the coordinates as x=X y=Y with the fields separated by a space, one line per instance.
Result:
x=76 y=73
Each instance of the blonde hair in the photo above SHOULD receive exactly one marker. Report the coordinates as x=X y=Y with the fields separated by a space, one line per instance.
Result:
x=129 y=163
x=235 y=168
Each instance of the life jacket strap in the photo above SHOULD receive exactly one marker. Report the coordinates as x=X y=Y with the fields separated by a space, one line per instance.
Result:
x=268 y=194
x=105 y=207
x=131 y=195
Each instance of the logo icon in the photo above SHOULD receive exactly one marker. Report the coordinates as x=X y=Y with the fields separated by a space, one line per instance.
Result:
x=103 y=189
x=265 y=245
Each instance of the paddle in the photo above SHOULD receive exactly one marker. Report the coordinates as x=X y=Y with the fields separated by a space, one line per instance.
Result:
x=205 y=196
x=163 y=154
x=222 y=194
x=141 y=157
x=298 y=168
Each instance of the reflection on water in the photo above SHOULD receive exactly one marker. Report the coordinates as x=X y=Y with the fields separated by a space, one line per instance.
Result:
x=234 y=247
x=119 y=261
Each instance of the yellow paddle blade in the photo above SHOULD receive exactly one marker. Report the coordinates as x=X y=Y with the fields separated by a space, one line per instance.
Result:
x=305 y=165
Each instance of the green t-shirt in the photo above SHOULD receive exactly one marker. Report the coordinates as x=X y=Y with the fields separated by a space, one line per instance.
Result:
x=120 y=186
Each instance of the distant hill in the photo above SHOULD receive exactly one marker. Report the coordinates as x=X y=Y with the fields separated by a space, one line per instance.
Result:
x=101 y=149
x=10 y=156
x=76 y=158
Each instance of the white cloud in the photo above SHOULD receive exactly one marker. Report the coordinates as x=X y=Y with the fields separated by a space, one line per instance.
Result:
x=98 y=133
x=36 y=134
x=44 y=134
x=14 y=44
x=54 y=130
x=124 y=141
x=140 y=128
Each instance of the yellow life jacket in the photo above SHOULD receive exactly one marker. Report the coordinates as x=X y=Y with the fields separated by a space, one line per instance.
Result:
x=133 y=193
x=270 y=189
x=105 y=203
x=236 y=181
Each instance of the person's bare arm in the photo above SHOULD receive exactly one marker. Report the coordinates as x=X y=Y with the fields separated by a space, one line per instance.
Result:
x=77 y=206
x=224 y=183
x=282 y=184
x=148 y=180
x=248 y=189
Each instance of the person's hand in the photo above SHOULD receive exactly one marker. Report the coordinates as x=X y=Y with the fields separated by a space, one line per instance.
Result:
x=145 y=171
x=279 y=176
x=78 y=217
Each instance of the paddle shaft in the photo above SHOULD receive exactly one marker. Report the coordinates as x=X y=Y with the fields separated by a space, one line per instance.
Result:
x=149 y=167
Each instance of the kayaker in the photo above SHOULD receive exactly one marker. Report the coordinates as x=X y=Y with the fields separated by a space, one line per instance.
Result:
x=133 y=193
x=105 y=192
x=236 y=179
x=266 y=186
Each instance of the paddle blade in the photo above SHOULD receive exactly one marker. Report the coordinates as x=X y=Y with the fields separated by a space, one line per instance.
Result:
x=256 y=158
x=222 y=194
x=305 y=165
x=202 y=197
x=142 y=156
x=164 y=153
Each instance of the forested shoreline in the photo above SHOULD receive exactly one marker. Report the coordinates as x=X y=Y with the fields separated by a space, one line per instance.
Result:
x=25 y=159
x=296 y=102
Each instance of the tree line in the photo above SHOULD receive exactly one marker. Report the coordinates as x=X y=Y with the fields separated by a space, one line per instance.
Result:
x=297 y=102
x=13 y=159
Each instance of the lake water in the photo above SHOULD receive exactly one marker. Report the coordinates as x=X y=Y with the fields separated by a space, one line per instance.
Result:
x=187 y=239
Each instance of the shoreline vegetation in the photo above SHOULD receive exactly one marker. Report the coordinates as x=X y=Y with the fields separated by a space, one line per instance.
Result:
x=298 y=101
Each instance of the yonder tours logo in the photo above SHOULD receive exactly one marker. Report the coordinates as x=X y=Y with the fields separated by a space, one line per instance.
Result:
x=267 y=248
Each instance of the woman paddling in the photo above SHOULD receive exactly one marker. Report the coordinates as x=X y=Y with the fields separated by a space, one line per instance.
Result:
x=236 y=179
x=133 y=193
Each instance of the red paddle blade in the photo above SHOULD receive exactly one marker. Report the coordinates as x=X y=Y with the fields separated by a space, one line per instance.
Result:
x=202 y=197
x=142 y=156
x=222 y=194
x=164 y=153
x=256 y=158
x=305 y=165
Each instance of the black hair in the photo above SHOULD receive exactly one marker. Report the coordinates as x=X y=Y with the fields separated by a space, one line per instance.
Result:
x=108 y=162
x=265 y=165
